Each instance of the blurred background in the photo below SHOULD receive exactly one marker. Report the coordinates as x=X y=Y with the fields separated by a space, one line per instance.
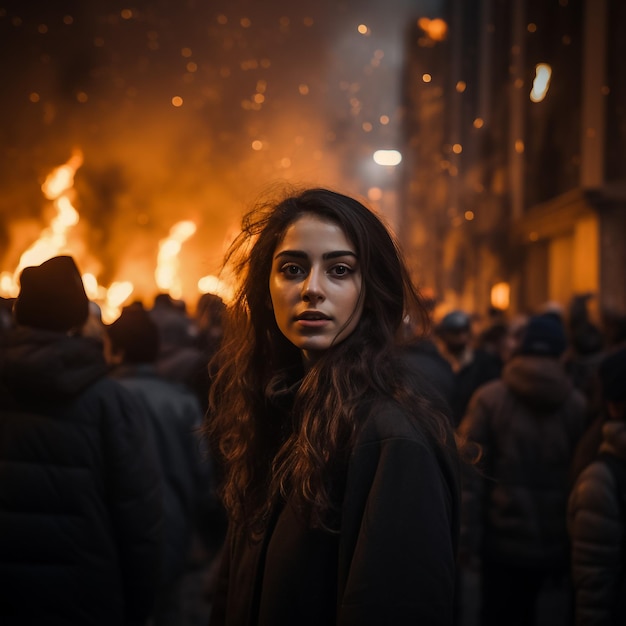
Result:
x=491 y=134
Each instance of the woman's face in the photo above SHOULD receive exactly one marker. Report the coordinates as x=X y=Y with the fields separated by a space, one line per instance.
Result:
x=315 y=284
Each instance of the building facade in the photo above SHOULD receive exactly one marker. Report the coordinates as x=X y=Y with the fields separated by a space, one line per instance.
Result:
x=515 y=168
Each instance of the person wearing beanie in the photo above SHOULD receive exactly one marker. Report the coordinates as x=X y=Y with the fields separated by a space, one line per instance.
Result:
x=526 y=425
x=597 y=510
x=544 y=336
x=471 y=366
x=174 y=416
x=52 y=296
x=79 y=487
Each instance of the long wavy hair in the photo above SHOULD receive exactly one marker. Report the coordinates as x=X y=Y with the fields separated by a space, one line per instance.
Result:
x=267 y=453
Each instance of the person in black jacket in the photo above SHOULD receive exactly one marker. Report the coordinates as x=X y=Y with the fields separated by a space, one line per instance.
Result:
x=597 y=510
x=527 y=425
x=174 y=418
x=80 y=505
x=341 y=476
x=471 y=366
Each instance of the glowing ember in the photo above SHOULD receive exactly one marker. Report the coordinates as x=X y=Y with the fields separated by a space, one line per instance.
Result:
x=436 y=29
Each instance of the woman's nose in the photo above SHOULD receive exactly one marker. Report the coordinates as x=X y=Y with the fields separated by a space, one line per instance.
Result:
x=312 y=290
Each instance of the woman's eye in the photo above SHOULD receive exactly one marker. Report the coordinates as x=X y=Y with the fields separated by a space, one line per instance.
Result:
x=341 y=270
x=291 y=270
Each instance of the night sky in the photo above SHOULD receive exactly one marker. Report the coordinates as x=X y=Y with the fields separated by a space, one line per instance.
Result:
x=189 y=110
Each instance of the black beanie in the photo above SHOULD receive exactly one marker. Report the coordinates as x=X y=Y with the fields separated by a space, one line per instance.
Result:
x=52 y=296
x=544 y=335
x=135 y=332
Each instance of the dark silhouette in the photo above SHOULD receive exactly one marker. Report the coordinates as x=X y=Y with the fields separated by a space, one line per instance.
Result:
x=597 y=510
x=174 y=417
x=80 y=521
x=527 y=425
x=472 y=366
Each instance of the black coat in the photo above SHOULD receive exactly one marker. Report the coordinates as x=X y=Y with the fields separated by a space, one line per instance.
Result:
x=393 y=561
x=80 y=507
x=528 y=425
x=596 y=519
x=174 y=417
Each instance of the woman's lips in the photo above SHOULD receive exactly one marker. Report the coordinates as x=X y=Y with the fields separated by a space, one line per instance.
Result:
x=312 y=319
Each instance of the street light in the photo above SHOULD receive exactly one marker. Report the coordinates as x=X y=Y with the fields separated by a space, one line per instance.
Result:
x=387 y=157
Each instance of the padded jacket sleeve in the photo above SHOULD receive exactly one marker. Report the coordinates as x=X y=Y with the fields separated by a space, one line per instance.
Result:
x=596 y=531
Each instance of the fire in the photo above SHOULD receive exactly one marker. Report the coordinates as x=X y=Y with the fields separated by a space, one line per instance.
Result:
x=114 y=298
x=110 y=300
x=216 y=285
x=53 y=240
x=167 y=274
x=58 y=187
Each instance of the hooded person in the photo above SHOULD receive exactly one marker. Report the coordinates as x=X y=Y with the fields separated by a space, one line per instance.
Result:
x=81 y=508
x=526 y=425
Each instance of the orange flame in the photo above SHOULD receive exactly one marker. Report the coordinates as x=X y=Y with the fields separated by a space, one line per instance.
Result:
x=114 y=298
x=218 y=286
x=57 y=187
x=167 y=274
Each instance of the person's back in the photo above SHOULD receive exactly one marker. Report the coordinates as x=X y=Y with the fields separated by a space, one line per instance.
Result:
x=180 y=360
x=423 y=356
x=528 y=425
x=79 y=493
x=174 y=417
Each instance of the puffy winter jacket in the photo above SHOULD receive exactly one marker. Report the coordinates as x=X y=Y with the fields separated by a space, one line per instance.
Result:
x=527 y=424
x=597 y=526
x=80 y=507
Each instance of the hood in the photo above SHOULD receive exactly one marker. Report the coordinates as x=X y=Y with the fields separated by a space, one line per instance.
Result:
x=48 y=365
x=614 y=438
x=540 y=381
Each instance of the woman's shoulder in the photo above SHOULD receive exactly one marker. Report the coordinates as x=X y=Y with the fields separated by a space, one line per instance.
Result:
x=397 y=438
x=385 y=419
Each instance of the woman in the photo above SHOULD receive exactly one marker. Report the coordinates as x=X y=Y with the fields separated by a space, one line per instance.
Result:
x=341 y=474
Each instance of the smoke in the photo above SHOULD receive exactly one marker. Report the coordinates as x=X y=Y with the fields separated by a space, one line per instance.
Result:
x=183 y=111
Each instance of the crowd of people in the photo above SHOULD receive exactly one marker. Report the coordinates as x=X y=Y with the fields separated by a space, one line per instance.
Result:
x=323 y=450
x=109 y=512
x=540 y=405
